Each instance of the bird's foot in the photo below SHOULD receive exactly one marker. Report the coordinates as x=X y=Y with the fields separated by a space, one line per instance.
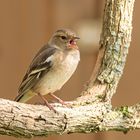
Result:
x=50 y=107
x=47 y=104
x=61 y=101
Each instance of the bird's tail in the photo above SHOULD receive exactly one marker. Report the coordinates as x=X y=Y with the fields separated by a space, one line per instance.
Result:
x=24 y=97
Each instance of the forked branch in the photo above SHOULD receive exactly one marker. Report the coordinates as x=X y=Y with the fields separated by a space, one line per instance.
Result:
x=92 y=112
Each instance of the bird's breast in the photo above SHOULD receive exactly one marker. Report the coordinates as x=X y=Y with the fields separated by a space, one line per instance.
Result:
x=59 y=74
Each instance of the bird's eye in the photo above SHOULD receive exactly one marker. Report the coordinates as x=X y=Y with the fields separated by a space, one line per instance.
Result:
x=63 y=37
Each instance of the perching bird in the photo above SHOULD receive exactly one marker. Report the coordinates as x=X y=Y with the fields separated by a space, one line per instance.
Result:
x=51 y=68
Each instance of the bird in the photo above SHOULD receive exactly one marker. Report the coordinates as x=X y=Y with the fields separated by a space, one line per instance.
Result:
x=51 y=68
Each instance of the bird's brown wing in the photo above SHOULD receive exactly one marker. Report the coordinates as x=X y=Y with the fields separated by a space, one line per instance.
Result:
x=38 y=67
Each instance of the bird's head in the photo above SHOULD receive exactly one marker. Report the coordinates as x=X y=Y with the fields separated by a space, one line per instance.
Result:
x=64 y=39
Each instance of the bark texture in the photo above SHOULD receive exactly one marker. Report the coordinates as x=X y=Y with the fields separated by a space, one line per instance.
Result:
x=92 y=111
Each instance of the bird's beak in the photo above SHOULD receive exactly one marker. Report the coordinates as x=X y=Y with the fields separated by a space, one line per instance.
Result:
x=76 y=38
x=72 y=43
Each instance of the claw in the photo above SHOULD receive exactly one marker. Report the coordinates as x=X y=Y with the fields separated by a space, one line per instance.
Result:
x=46 y=103
x=60 y=100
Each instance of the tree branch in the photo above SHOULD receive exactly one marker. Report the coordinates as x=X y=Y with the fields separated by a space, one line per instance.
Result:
x=22 y=120
x=92 y=112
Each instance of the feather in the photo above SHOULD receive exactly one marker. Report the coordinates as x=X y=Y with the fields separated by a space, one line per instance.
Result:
x=39 y=66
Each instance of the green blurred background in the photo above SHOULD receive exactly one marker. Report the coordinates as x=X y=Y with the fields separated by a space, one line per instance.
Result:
x=26 y=25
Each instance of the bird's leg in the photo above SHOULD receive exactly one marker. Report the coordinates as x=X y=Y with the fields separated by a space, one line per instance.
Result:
x=59 y=100
x=46 y=102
